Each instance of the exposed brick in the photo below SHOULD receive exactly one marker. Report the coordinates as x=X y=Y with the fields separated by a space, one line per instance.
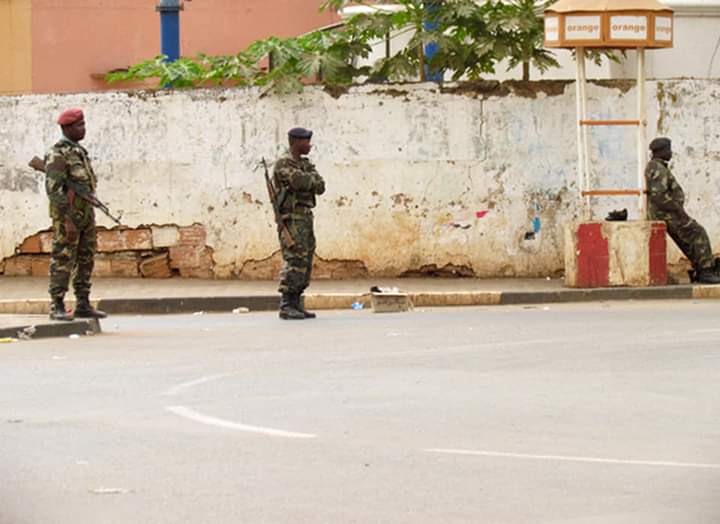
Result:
x=102 y=268
x=165 y=236
x=40 y=266
x=187 y=256
x=31 y=245
x=124 y=266
x=192 y=261
x=194 y=235
x=138 y=239
x=110 y=241
x=156 y=267
x=18 y=266
x=39 y=243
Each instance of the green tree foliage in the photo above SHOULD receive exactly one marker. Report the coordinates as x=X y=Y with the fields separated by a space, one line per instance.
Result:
x=473 y=38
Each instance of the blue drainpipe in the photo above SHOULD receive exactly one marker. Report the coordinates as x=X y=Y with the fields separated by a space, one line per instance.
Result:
x=170 y=28
x=432 y=48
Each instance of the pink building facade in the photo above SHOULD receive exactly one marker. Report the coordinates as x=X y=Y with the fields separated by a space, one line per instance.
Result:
x=56 y=47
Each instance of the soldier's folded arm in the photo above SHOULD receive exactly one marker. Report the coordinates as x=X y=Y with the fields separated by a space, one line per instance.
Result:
x=658 y=193
x=319 y=185
x=302 y=182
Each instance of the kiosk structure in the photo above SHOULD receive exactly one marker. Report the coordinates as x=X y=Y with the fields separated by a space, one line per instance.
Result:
x=599 y=254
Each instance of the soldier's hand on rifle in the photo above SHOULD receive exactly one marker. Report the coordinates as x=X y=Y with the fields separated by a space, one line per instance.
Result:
x=71 y=231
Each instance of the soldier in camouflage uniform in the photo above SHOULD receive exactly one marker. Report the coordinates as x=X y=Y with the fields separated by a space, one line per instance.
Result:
x=297 y=182
x=666 y=201
x=73 y=219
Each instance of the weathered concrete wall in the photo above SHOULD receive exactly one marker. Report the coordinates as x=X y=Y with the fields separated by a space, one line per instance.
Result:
x=476 y=179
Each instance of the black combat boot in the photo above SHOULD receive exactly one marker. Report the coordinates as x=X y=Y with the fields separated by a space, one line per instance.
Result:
x=707 y=276
x=84 y=309
x=300 y=306
x=288 y=310
x=58 y=311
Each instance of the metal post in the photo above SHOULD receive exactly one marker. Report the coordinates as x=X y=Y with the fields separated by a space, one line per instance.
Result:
x=170 y=28
x=642 y=117
x=582 y=135
x=578 y=102
x=431 y=48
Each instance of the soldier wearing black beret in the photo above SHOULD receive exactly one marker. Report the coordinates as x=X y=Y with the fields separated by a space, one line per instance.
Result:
x=297 y=183
x=666 y=202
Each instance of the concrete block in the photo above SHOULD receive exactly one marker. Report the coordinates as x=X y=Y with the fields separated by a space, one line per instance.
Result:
x=164 y=236
x=390 y=302
x=608 y=254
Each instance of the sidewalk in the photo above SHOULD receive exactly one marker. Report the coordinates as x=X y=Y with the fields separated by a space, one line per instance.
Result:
x=28 y=295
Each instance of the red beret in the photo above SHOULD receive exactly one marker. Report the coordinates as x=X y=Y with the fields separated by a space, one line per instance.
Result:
x=70 y=116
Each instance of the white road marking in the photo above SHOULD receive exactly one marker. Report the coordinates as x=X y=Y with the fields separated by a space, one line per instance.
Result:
x=188 y=413
x=705 y=331
x=573 y=459
x=186 y=385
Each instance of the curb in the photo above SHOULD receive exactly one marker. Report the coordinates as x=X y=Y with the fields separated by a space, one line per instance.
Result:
x=52 y=329
x=170 y=305
x=325 y=301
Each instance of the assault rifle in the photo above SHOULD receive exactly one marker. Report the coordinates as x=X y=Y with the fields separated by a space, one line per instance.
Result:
x=38 y=165
x=273 y=195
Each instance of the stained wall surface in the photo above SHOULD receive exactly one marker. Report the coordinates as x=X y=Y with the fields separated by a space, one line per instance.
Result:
x=476 y=179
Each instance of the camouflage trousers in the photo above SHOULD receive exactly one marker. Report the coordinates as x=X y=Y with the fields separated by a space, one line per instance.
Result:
x=72 y=258
x=297 y=254
x=692 y=239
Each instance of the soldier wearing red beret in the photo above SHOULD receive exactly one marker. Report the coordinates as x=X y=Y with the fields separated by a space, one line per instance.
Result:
x=73 y=219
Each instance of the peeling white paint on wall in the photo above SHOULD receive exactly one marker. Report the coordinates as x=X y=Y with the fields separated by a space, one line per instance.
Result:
x=416 y=175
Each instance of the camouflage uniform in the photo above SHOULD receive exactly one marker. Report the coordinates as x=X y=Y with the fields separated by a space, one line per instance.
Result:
x=297 y=183
x=68 y=160
x=666 y=201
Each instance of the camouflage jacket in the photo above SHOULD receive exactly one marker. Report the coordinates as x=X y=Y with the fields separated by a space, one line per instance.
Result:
x=68 y=160
x=666 y=199
x=297 y=183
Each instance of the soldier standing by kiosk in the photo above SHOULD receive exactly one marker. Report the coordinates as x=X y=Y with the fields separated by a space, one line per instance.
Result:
x=73 y=218
x=296 y=182
x=666 y=202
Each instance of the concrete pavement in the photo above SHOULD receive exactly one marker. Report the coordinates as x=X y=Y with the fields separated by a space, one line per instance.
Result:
x=571 y=413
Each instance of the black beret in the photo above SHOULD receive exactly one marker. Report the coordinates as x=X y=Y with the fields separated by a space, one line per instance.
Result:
x=300 y=132
x=660 y=143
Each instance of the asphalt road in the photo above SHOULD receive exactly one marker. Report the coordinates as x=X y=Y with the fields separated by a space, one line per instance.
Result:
x=594 y=413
